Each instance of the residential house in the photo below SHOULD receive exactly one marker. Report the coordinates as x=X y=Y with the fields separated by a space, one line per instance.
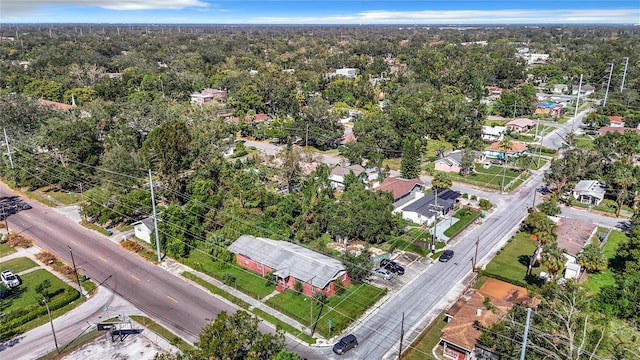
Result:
x=573 y=235
x=616 y=121
x=493 y=133
x=251 y=119
x=426 y=209
x=620 y=130
x=494 y=92
x=453 y=161
x=143 y=229
x=347 y=72
x=290 y=263
x=560 y=88
x=207 y=96
x=402 y=189
x=550 y=109
x=590 y=192
x=347 y=138
x=584 y=90
x=338 y=173
x=469 y=315
x=520 y=125
x=494 y=151
x=56 y=105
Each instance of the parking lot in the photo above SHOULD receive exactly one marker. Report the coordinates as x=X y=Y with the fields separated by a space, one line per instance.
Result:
x=413 y=265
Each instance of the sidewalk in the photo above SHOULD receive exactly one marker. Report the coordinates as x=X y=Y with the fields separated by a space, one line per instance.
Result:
x=177 y=269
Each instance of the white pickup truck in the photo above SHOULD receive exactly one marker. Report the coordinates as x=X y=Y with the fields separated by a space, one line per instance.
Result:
x=9 y=279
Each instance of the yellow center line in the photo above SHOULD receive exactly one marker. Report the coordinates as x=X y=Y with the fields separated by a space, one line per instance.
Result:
x=74 y=243
x=173 y=299
x=135 y=277
x=50 y=228
x=27 y=215
x=101 y=258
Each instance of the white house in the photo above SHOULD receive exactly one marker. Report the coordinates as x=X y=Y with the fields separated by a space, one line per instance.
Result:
x=590 y=192
x=493 y=133
x=368 y=176
x=573 y=235
x=143 y=229
x=348 y=72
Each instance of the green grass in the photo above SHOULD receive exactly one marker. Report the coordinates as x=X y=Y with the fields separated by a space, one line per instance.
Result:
x=174 y=339
x=408 y=244
x=597 y=281
x=421 y=348
x=6 y=250
x=465 y=217
x=491 y=177
x=340 y=309
x=94 y=227
x=18 y=264
x=41 y=199
x=26 y=293
x=65 y=198
x=284 y=326
x=510 y=264
x=215 y=290
x=246 y=281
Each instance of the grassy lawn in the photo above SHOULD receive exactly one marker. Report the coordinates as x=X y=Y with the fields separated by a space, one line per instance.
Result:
x=510 y=264
x=66 y=198
x=6 y=250
x=597 y=281
x=394 y=164
x=18 y=265
x=42 y=199
x=162 y=331
x=246 y=281
x=340 y=309
x=491 y=177
x=94 y=227
x=584 y=142
x=465 y=217
x=428 y=339
x=215 y=290
x=23 y=310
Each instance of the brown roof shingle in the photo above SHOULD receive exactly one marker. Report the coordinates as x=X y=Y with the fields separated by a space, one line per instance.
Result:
x=573 y=234
x=399 y=187
x=516 y=146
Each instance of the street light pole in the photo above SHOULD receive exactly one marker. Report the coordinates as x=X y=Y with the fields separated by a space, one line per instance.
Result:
x=75 y=270
x=155 y=217
x=53 y=331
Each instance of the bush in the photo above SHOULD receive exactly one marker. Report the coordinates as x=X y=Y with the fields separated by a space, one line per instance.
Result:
x=339 y=289
x=228 y=279
x=17 y=240
x=465 y=196
x=297 y=286
x=485 y=204
x=473 y=197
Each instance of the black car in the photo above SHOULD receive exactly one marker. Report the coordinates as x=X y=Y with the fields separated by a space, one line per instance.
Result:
x=345 y=344
x=392 y=266
x=446 y=256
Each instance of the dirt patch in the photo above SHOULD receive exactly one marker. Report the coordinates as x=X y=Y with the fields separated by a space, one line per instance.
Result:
x=133 y=347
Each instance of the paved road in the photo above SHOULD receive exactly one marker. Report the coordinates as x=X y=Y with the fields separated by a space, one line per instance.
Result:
x=555 y=139
x=170 y=300
x=596 y=218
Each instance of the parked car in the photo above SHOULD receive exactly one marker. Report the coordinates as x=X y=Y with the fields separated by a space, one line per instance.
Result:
x=383 y=273
x=446 y=256
x=486 y=165
x=24 y=206
x=345 y=344
x=9 y=279
x=392 y=266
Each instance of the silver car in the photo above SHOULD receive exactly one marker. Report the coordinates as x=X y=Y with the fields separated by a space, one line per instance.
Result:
x=383 y=273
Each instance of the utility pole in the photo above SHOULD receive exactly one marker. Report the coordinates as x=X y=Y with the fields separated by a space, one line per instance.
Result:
x=4 y=215
x=608 y=83
x=53 y=331
x=401 y=336
x=435 y=226
x=75 y=270
x=6 y=141
x=575 y=114
x=475 y=257
x=526 y=333
x=155 y=217
x=306 y=138
x=624 y=74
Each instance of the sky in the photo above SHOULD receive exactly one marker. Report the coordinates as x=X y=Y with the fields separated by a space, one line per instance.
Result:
x=321 y=11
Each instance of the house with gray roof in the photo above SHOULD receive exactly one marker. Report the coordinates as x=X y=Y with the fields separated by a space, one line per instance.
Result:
x=290 y=263
x=426 y=209
x=590 y=192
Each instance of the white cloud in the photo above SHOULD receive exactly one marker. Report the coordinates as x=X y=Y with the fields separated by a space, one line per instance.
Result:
x=18 y=8
x=468 y=17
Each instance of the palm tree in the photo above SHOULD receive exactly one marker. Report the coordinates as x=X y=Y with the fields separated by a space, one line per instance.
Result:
x=505 y=146
x=623 y=177
x=592 y=258
x=553 y=259
x=545 y=231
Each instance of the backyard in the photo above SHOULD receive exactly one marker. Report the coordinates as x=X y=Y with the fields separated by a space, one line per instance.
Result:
x=491 y=177
x=597 y=281
x=339 y=311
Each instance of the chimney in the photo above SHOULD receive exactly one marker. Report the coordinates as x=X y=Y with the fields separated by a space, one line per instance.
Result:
x=479 y=312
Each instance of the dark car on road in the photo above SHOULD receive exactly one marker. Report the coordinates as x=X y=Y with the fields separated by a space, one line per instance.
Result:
x=446 y=256
x=345 y=344
x=392 y=266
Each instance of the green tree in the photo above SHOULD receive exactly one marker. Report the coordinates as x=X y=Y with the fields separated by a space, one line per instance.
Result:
x=505 y=146
x=467 y=163
x=317 y=125
x=42 y=288
x=285 y=355
x=592 y=258
x=544 y=229
x=410 y=165
x=291 y=169
x=549 y=207
x=622 y=175
x=358 y=266
x=167 y=148
x=553 y=259
x=441 y=181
